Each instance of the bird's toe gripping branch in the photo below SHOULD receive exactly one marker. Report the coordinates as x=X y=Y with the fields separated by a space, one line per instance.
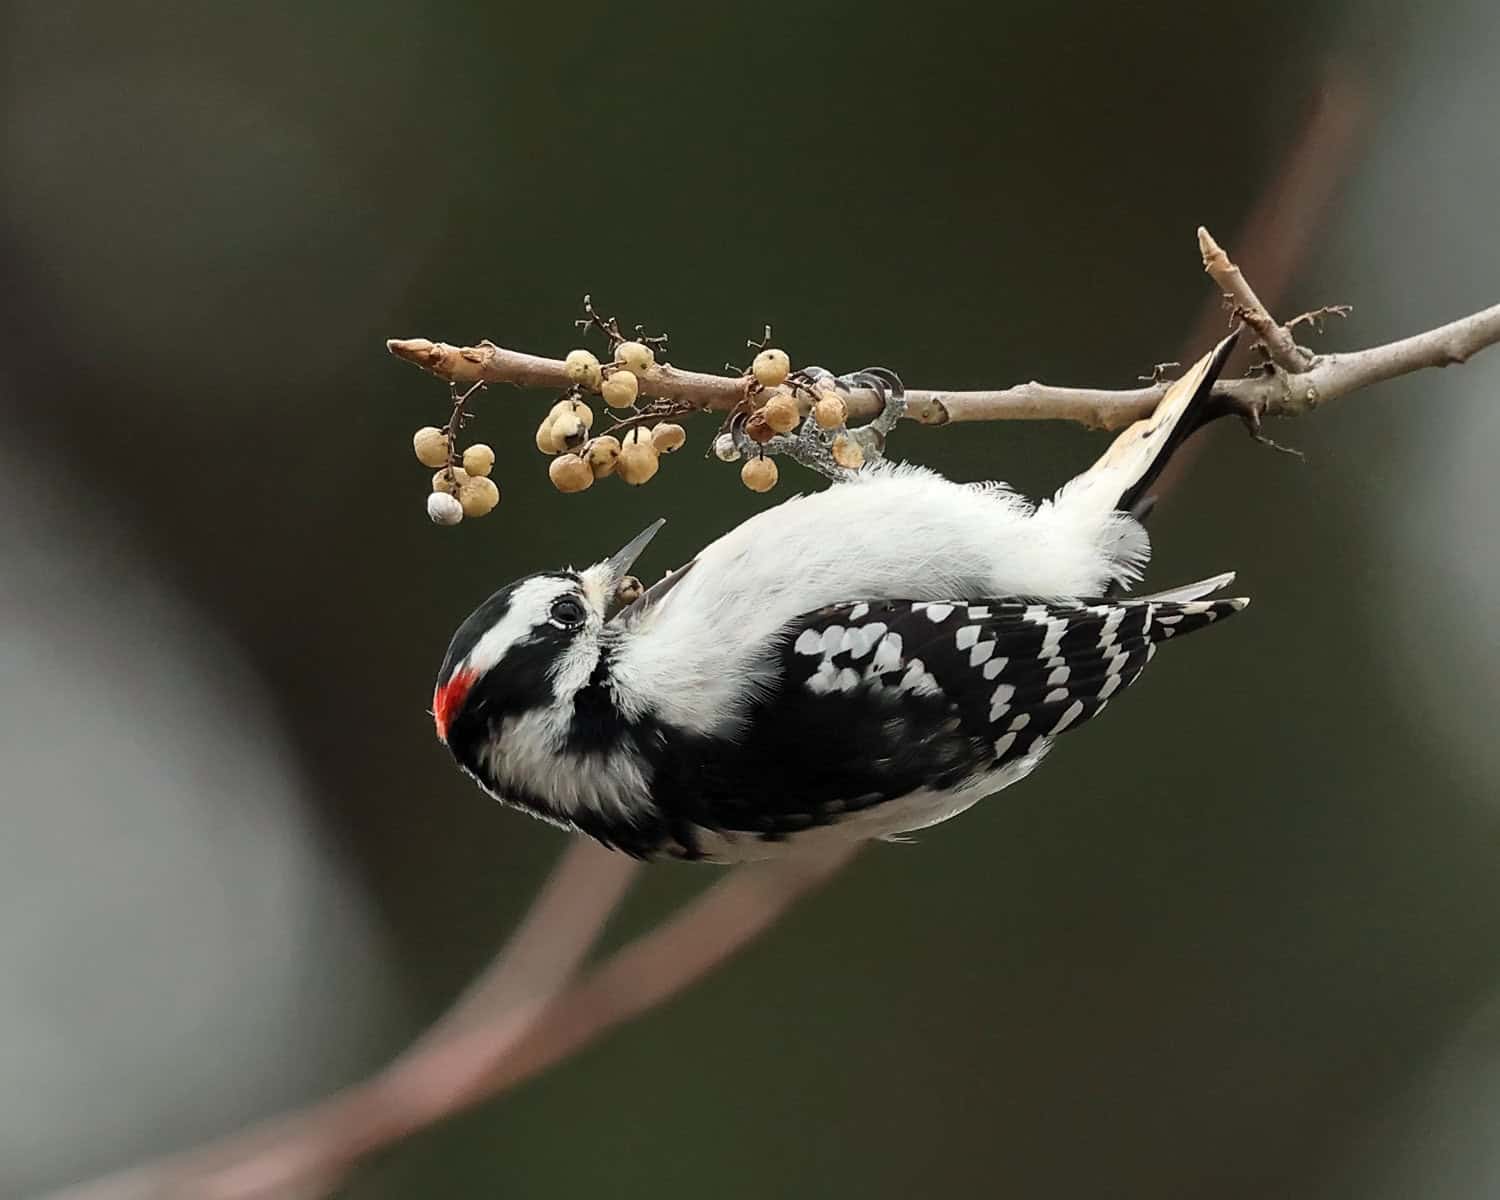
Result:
x=836 y=451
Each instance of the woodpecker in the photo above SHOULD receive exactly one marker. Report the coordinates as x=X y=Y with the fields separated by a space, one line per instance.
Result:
x=861 y=662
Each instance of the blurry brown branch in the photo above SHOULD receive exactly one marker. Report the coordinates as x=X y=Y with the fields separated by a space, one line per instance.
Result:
x=467 y=1059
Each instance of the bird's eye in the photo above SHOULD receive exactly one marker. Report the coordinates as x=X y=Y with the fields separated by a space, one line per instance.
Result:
x=567 y=611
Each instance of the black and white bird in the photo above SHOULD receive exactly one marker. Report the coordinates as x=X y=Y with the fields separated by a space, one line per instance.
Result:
x=858 y=663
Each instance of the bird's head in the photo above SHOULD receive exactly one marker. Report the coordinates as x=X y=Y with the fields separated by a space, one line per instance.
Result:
x=533 y=645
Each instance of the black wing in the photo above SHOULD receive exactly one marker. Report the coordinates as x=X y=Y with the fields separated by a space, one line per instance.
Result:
x=878 y=699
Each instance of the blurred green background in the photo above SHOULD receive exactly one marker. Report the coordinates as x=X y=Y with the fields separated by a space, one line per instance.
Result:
x=1242 y=938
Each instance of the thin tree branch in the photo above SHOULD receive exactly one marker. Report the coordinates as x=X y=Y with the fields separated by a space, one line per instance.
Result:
x=1280 y=393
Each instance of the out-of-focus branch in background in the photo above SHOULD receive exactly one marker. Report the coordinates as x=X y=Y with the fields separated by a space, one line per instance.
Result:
x=478 y=1051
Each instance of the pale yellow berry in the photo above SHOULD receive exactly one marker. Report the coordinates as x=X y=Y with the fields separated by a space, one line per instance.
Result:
x=635 y=357
x=602 y=454
x=620 y=389
x=848 y=453
x=569 y=473
x=569 y=407
x=830 y=411
x=639 y=460
x=582 y=368
x=444 y=509
x=449 y=481
x=568 y=432
x=759 y=474
x=781 y=413
x=478 y=495
x=431 y=446
x=546 y=441
x=479 y=459
x=725 y=449
x=668 y=437
x=771 y=367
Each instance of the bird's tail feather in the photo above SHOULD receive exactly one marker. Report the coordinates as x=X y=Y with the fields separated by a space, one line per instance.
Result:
x=1192 y=591
x=1170 y=618
x=1134 y=460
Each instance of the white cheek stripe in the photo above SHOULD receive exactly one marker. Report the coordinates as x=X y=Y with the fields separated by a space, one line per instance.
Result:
x=530 y=605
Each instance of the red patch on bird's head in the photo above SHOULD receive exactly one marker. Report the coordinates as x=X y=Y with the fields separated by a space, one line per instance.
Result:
x=449 y=698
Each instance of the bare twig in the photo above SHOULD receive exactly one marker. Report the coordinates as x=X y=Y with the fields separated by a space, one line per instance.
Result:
x=1283 y=222
x=1279 y=343
x=307 y=1153
x=1293 y=206
x=1277 y=395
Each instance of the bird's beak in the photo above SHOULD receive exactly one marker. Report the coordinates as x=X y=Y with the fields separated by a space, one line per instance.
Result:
x=618 y=565
x=603 y=579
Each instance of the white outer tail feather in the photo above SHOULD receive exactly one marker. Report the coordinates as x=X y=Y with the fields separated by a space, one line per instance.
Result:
x=1133 y=454
x=1189 y=592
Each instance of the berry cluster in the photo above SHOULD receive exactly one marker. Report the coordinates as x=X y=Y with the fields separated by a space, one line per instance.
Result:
x=632 y=448
x=458 y=491
x=780 y=411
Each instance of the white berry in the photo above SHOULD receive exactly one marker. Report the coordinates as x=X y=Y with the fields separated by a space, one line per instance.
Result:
x=444 y=509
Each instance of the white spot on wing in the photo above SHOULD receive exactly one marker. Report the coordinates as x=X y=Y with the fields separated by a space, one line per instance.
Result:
x=859 y=611
x=1002 y=744
x=887 y=654
x=967 y=636
x=1059 y=675
x=981 y=654
x=995 y=665
x=1000 y=701
x=938 y=613
x=810 y=642
x=1072 y=713
x=859 y=640
x=822 y=680
x=1056 y=627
